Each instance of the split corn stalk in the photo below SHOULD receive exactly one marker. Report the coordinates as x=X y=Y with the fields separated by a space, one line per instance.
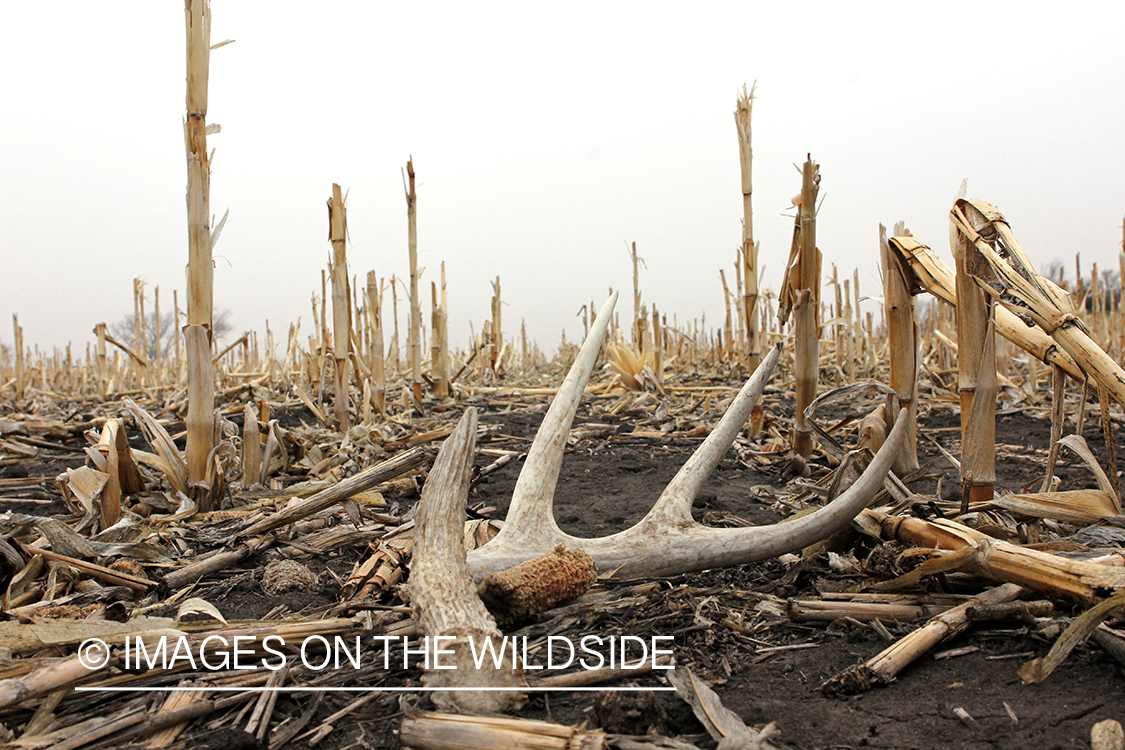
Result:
x=201 y=386
x=341 y=303
x=415 y=309
x=801 y=295
x=1018 y=286
x=976 y=373
x=903 y=350
x=931 y=274
x=749 y=248
x=979 y=554
x=378 y=364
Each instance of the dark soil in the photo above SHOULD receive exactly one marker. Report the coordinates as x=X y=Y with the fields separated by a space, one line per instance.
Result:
x=609 y=483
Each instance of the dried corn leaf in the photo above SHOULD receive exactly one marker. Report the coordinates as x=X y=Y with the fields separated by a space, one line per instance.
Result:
x=724 y=725
x=23 y=581
x=173 y=464
x=1077 y=443
x=84 y=485
x=1038 y=670
x=196 y=605
x=1074 y=506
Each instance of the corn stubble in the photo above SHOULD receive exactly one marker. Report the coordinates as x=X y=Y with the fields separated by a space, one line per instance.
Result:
x=388 y=404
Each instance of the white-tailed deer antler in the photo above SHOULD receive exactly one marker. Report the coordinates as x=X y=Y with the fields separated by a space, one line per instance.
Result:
x=667 y=541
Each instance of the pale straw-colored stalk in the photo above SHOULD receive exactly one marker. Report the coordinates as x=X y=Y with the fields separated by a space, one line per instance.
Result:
x=931 y=274
x=976 y=374
x=749 y=248
x=375 y=315
x=415 y=351
x=801 y=295
x=496 y=334
x=341 y=304
x=201 y=386
x=1017 y=286
x=903 y=351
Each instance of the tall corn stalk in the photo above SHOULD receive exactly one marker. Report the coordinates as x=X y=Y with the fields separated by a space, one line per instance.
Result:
x=201 y=385
x=341 y=303
x=99 y=330
x=17 y=344
x=638 y=335
x=749 y=247
x=415 y=308
x=139 y=343
x=976 y=373
x=375 y=314
x=439 y=344
x=801 y=296
x=158 y=356
x=903 y=349
x=496 y=331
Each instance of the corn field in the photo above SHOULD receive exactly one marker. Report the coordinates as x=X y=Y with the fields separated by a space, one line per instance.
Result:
x=149 y=476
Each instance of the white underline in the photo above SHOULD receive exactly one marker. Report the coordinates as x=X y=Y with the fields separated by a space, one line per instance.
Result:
x=264 y=689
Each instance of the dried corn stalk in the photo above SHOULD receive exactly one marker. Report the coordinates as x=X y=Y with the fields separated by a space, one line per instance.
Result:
x=341 y=304
x=800 y=294
x=902 y=350
x=931 y=274
x=1016 y=284
x=201 y=385
x=976 y=553
x=749 y=248
x=976 y=374
x=426 y=730
x=415 y=347
x=882 y=668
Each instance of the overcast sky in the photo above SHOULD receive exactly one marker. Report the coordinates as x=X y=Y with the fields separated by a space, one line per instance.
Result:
x=545 y=138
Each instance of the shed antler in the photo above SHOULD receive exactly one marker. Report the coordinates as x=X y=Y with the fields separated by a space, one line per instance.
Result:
x=667 y=541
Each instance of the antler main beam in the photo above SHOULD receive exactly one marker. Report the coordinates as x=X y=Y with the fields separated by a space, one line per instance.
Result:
x=666 y=541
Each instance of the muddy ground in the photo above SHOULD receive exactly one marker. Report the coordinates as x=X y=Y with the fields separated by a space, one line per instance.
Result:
x=764 y=667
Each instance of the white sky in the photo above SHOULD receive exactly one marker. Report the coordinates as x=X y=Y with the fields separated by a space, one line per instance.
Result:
x=545 y=137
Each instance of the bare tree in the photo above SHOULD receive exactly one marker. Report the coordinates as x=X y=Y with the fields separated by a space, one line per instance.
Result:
x=125 y=330
x=1055 y=271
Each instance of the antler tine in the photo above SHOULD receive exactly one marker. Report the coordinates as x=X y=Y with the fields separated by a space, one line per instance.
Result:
x=445 y=601
x=531 y=516
x=669 y=549
x=674 y=504
x=698 y=547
